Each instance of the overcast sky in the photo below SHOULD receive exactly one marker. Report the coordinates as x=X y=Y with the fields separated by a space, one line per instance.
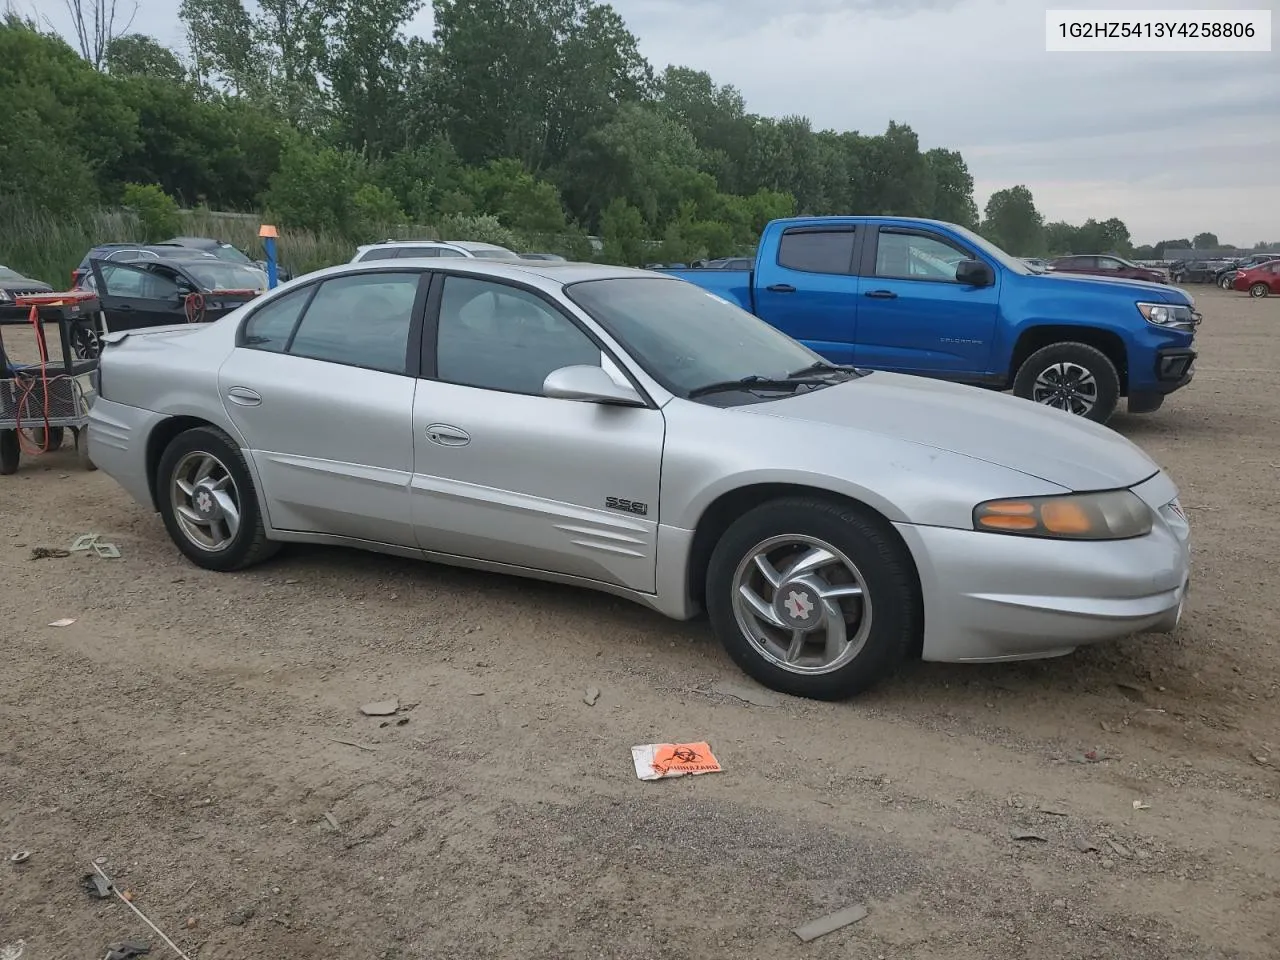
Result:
x=1173 y=144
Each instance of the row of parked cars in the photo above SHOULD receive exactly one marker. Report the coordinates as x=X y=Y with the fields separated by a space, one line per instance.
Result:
x=1257 y=274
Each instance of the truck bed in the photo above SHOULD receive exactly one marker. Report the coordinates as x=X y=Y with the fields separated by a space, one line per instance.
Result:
x=732 y=285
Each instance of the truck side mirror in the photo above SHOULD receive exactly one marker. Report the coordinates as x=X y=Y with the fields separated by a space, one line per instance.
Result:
x=974 y=273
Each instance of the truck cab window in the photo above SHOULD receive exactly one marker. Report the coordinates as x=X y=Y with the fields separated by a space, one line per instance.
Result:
x=817 y=251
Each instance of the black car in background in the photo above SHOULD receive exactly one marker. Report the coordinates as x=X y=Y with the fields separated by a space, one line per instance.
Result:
x=159 y=292
x=14 y=285
x=82 y=278
x=226 y=251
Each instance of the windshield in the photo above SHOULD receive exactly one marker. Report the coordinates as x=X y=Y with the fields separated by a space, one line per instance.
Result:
x=494 y=253
x=687 y=338
x=220 y=275
x=991 y=250
x=225 y=251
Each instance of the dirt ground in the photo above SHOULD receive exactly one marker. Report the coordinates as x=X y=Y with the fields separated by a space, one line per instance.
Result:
x=187 y=729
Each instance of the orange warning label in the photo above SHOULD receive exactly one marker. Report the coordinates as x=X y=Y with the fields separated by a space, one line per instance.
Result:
x=654 y=761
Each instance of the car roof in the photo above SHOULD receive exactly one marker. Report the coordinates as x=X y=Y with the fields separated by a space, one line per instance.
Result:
x=544 y=273
x=196 y=242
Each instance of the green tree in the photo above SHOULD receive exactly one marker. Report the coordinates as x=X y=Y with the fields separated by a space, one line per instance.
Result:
x=1163 y=245
x=505 y=189
x=645 y=158
x=135 y=55
x=1061 y=238
x=624 y=232
x=1206 y=241
x=1013 y=222
x=372 y=207
x=952 y=188
x=157 y=211
x=224 y=44
x=314 y=188
x=529 y=78
x=367 y=58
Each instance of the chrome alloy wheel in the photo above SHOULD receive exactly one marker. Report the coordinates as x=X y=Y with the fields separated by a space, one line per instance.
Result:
x=802 y=604
x=205 y=501
x=1066 y=386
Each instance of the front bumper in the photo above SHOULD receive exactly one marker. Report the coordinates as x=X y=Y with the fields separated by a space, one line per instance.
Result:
x=991 y=597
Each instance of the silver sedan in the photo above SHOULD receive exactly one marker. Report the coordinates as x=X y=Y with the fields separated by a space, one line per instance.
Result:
x=628 y=432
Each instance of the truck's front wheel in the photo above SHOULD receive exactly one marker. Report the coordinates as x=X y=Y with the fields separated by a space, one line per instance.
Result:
x=1074 y=377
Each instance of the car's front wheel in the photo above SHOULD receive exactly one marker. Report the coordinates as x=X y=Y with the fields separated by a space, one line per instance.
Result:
x=207 y=500
x=1225 y=282
x=1259 y=290
x=1074 y=377
x=813 y=597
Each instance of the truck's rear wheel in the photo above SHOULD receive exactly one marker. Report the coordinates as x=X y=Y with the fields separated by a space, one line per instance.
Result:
x=1074 y=377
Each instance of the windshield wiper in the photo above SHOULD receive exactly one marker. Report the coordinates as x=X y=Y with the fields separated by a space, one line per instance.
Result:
x=755 y=382
x=821 y=366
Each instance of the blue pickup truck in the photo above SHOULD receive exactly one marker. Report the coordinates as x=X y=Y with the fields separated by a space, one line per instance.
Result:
x=935 y=299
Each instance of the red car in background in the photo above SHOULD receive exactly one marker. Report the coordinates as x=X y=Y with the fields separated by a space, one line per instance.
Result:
x=1106 y=266
x=1261 y=281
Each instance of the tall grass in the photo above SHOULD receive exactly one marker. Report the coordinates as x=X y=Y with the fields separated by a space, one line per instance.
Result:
x=47 y=247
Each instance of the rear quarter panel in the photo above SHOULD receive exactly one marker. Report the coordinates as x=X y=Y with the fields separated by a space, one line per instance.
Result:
x=171 y=372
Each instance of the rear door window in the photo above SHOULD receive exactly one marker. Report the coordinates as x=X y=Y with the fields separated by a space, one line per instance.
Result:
x=361 y=320
x=817 y=251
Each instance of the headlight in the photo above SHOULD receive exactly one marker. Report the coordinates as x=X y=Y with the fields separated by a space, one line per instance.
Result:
x=1176 y=316
x=4 y=297
x=1113 y=515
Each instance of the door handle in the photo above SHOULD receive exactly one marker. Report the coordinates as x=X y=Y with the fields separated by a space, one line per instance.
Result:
x=125 y=306
x=244 y=396
x=882 y=294
x=781 y=288
x=448 y=436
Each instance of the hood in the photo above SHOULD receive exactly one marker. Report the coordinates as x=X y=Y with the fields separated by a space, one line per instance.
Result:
x=1164 y=292
x=1028 y=437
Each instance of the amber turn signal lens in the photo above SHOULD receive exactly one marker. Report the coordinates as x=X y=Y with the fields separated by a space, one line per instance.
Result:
x=1064 y=516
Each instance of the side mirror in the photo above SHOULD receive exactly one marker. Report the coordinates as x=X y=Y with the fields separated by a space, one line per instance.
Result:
x=975 y=273
x=588 y=384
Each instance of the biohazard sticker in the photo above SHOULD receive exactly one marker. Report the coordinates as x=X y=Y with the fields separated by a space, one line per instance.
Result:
x=656 y=761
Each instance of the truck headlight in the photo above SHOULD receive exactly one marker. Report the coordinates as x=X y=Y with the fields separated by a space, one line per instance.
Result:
x=1175 y=316
x=1111 y=515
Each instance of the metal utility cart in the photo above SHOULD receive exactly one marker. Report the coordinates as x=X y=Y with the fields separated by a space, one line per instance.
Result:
x=41 y=400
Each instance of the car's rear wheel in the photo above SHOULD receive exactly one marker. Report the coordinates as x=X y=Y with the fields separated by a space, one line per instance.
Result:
x=1074 y=377
x=812 y=597
x=1259 y=290
x=207 y=500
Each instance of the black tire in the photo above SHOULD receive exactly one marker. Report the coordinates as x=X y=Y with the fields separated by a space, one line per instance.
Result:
x=249 y=545
x=10 y=452
x=1106 y=379
x=882 y=561
x=1224 y=282
x=82 y=450
x=37 y=435
x=1259 y=290
x=83 y=337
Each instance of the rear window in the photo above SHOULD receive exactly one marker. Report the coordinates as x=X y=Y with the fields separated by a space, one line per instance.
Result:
x=379 y=253
x=817 y=251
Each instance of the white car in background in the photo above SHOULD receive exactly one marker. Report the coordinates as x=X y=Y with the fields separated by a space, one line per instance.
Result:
x=413 y=249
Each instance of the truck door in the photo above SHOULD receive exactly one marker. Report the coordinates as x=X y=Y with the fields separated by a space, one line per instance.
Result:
x=913 y=315
x=808 y=289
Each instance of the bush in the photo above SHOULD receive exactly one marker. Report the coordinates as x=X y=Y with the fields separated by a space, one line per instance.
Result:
x=157 y=212
x=481 y=229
